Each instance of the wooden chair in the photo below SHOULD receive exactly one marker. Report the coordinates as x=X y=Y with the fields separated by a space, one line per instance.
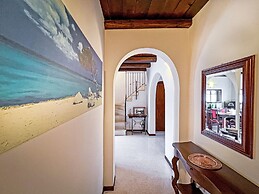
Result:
x=213 y=119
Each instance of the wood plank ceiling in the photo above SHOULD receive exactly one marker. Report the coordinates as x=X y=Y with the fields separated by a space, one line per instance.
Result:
x=138 y=62
x=136 y=14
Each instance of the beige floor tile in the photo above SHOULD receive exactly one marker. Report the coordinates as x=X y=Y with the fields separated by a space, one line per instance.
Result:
x=140 y=165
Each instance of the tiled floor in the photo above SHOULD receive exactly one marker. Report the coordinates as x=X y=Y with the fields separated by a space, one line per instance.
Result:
x=140 y=165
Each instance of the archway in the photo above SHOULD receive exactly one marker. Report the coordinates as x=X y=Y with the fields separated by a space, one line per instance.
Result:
x=165 y=68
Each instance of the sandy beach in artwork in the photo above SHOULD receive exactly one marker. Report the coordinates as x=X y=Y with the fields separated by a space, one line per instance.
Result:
x=22 y=123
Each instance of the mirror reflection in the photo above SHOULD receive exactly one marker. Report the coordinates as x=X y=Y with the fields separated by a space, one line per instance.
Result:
x=224 y=102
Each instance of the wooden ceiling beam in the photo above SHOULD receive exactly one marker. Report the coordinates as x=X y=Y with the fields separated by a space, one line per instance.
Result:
x=182 y=8
x=168 y=10
x=141 y=59
x=141 y=24
x=195 y=8
x=128 y=8
x=105 y=9
x=135 y=65
x=141 y=9
x=144 y=55
x=132 y=69
x=116 y=7
x=154 y=7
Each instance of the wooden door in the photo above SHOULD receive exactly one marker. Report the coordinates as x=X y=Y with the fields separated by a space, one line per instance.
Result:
x=160 y=106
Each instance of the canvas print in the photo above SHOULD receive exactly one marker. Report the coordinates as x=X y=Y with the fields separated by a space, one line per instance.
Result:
x=49 y=73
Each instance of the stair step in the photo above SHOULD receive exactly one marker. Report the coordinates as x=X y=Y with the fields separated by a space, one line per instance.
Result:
x=119 y=116
x=119 y=106
x=120 y=132
x=119 y=109
x=120 y=124
x=118 y=120
x=119 y=128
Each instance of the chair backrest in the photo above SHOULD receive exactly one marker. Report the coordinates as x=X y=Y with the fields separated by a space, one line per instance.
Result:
x=214 y=114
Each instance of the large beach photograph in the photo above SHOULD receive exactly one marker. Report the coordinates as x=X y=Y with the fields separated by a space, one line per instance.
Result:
x=49 y=73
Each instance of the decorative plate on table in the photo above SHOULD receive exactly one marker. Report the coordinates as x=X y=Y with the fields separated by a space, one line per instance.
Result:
x=204 y=161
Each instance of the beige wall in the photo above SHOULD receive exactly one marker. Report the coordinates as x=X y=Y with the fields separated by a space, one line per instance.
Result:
x=224 y=31
x=174 y=43
x=69 y=158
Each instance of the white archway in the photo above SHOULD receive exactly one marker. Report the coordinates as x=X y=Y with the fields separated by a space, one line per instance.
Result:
x=153 y=80
x=163 y=67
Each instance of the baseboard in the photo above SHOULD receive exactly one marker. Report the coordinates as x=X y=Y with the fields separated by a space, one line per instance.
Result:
x=152 y=134
x=109 y=188
x=135 y=130
x=168 y=161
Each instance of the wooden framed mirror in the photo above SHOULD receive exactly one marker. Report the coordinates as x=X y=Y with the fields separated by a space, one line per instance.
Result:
x=228 y=104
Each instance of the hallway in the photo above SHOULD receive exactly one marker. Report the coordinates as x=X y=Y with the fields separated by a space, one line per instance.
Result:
x=140 y=165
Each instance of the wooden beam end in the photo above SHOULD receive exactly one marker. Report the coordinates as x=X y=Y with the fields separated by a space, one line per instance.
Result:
x=142 y=24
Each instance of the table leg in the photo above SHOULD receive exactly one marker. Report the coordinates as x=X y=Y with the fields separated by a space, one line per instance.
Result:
x=224 y=122
x=144 y=126
x=176 y=174
x=132 y=126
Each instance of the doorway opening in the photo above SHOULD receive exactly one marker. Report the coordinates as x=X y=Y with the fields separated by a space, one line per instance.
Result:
x=160 y=106
x=165 y=68
x=131 y=94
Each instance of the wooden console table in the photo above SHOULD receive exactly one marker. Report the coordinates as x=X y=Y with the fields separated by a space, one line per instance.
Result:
x=224 y=180
x=143 y=116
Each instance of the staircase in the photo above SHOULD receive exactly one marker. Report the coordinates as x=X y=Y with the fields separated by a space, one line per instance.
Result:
x=120 y=120
x=135 y=82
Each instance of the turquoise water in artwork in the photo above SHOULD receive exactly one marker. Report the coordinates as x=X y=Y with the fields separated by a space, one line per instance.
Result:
x=25 y=78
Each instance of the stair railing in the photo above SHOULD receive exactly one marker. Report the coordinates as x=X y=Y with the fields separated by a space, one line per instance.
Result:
x=134 y=82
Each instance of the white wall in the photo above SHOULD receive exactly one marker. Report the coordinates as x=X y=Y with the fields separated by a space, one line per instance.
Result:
x=225 y=84
x=224 y=31
x=141 y=101
x=69 y=158
x=166 y=70
x=120 y=88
